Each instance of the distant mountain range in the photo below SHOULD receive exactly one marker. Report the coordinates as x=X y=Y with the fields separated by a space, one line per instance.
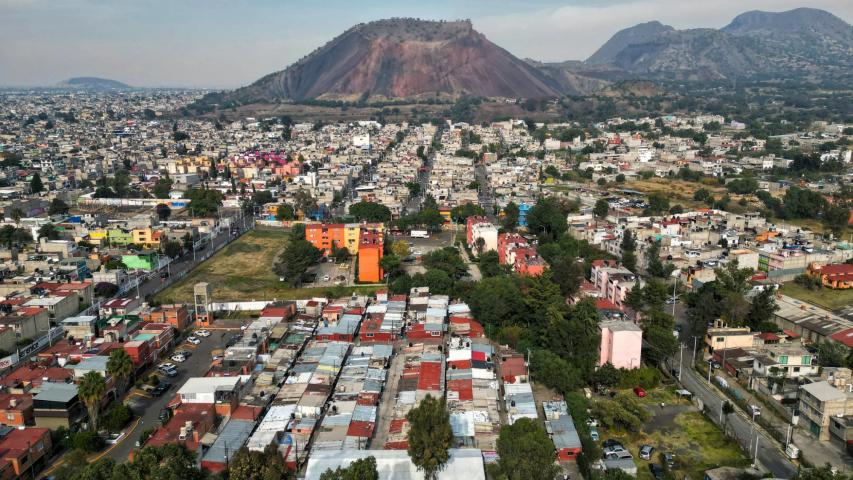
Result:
x=93 y=83
x=408 y=58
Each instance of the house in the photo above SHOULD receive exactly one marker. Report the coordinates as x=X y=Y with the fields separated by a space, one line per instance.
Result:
x=621 y=344
x=189 y=423
x=465 y=463
x=23 y=451
x=222 y=392
x=16 y=410
x=819 y=402
x=176 y=315
x=370 y=252
x=560 y=425
x=81 y=327
x=57 y=405
x=27 y=322
x=119 y=306
x=724 y=338
x=231 y=438
x=790 y=361
x=839 y=276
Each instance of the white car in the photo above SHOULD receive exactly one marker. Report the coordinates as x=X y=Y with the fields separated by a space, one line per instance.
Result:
x=166 y=366
x=178 y=358
x=326 y=278
x=193 y=340
x=417 y=253
x=202 y=333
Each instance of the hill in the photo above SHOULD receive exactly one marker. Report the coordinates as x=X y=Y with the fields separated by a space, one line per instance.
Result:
x=399 y=58
x=803 y=43
x=93 y=83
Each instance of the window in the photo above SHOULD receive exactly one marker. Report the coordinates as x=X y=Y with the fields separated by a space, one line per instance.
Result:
x=806 y=360
x=783 y=359
x=435 y=334
x=368 y=335
x=721 y=339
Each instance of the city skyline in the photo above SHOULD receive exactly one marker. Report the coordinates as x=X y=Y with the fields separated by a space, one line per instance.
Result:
x=225 y=44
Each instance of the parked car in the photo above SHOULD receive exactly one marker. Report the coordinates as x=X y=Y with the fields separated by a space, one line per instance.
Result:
x=614 y=449
x=657 y=471
x=668 y=459
x=646 y=452
x=593 y=434
x=165 y=414
x=167 y=366
x=183 y=353
x=326 y=278
x=638 y=391
x=755 y=410
x=202 y=333
x=161 y=388
x=618 y=455
x=114 y=438
x=194 y=340
x=178 y=358
x=611 y=442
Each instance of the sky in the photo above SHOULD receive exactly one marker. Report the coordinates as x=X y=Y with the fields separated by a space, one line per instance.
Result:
x=229 y=43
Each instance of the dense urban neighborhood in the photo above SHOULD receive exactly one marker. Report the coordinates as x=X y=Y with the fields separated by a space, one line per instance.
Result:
x=555 y=272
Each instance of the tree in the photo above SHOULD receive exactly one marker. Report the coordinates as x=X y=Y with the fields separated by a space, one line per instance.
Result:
x=511 y=215
x=654 y=266
x=91 y=390
x=836 y=218
x=361 y=469
x=116 y=417
x=162 y=188
x=568 y=273
x=658 y=328
x=120 y=366
x=526 y=452
x=285 y=212
x=430 y=436
x=437 y=281
x=446 y=259
x=400 y=249
x=35 y=184
x=658 y=204
x=340 y=254
x=10 y=236
x=391 y=265
x=489 y=264
x=606 y=376
x=831 y=354
x=761 y=310
x=295 y=260
x=601 y=208
x=172 y=248
x=547 y=219
x=163 y=211
x=370 y=212
x=203 y=202
x=629 y=247
x=479 y=244
x=251 y=465
x=16 y=215
x=48 y=231
x=461 y=213
x=105 y=289
x=57 y=207
x=821 y=473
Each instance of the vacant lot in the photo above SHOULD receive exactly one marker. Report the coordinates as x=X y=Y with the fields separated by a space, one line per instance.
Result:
x=679 y=192
x=825 y=297
x=243 y=271
x=678 y=428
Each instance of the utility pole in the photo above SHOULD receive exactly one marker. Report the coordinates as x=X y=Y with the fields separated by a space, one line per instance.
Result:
x=680 y=361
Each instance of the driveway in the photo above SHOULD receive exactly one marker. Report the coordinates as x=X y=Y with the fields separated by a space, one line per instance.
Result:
x=148 y=408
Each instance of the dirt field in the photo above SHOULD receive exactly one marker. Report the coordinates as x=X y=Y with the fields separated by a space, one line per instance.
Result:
x=243 y=271
x=678 y=191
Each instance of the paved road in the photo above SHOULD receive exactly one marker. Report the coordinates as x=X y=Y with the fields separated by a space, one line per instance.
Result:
x=148 y=408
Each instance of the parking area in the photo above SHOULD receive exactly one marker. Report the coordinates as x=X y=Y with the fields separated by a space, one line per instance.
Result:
x=147 y=406
x=420 y=246
x=328 y=274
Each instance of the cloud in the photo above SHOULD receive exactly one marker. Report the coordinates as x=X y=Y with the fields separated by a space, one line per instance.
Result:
x=574 y=32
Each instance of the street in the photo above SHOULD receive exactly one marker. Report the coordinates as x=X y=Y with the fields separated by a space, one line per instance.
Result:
x=148 y=409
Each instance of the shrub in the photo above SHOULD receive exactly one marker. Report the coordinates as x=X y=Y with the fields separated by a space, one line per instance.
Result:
x=87 y=441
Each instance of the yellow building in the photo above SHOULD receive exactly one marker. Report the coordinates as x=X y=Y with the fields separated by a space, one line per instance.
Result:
x=146 y=237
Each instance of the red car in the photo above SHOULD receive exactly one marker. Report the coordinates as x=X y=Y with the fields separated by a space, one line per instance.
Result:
x=639 y=392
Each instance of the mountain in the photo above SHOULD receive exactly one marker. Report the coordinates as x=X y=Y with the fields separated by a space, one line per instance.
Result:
x=640 y=33
x=803 y=43
x=93 y=83
x=399 y=58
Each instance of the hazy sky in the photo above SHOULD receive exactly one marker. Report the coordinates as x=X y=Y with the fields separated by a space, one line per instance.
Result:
x=227 y=43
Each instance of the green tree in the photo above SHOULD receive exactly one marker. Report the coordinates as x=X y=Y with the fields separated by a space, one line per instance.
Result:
x=601 y=208
x=526 y=452
x=251 y=465
x=836 y=218
x=361 y=469
x=461 y=212
x=294 y=261
x=91 y=391
x=414 y=188
x=36 y=186
x=120 y=367
x=172 y=248
x=547 y=219
x=606 y=376
x=430 y=436
x=162 y=188
x=400 y=248
x=48 y=231
x=762 y=307
x=511 y=215
x=391 y=265
x=446 y=259
x=16 y=215
x=57 y=207
x=285 y=212
x=163 y=211
x=370 y=212
x=658 y=328
x=821 y=473
x=116 y=417
x=203 y=202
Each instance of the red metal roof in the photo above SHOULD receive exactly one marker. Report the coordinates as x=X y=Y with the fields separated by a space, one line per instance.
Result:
x=845 y=337
x=430 y=377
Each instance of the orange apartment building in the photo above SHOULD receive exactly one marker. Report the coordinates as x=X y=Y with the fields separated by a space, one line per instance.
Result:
x=370 y=250
x=176 y=315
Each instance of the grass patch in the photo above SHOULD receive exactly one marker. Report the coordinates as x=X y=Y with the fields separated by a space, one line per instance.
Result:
x=825 y=297
x=697 y=443
x=243 y=271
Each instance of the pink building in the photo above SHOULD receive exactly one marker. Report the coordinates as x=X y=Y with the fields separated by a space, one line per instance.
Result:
x=621 y=344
